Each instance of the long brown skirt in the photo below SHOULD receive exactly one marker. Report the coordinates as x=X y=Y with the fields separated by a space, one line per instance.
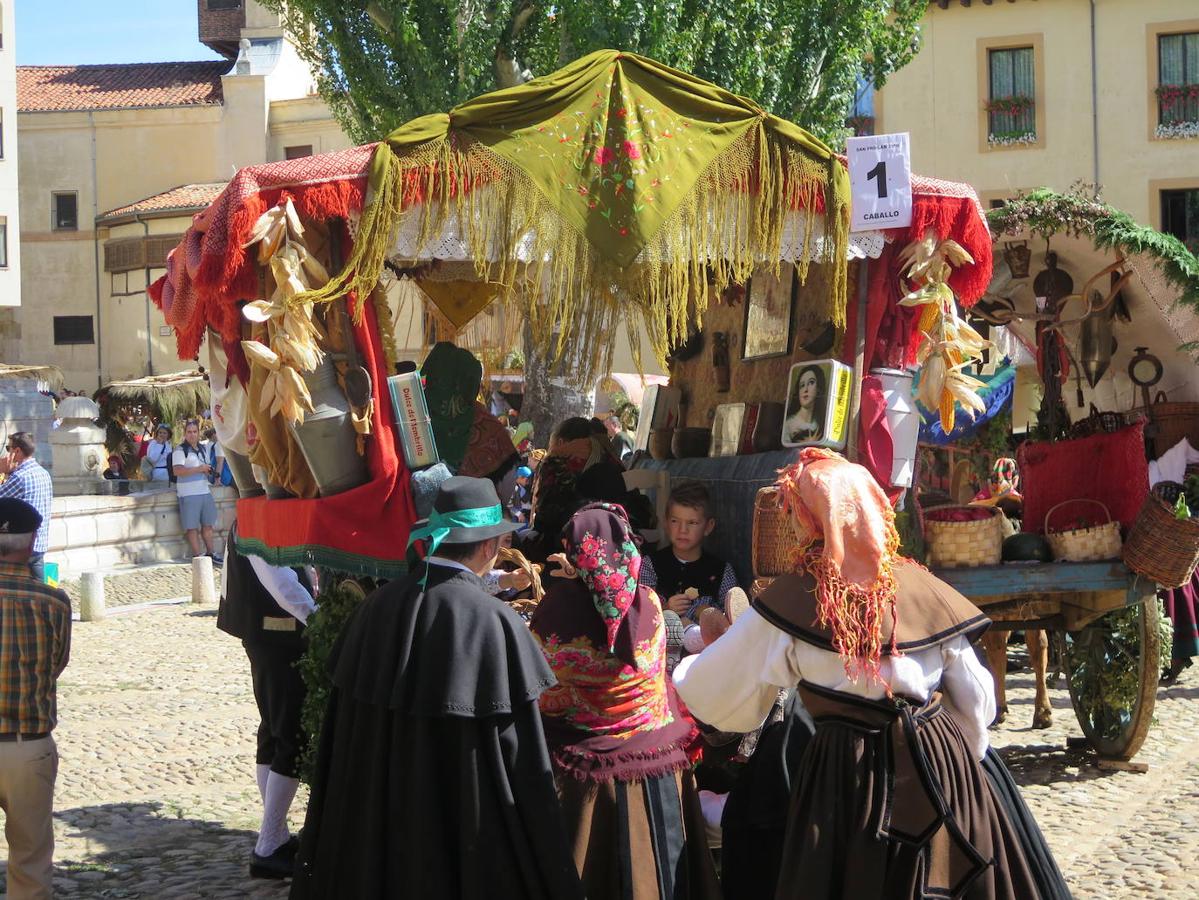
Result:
x=639 y=840
x=847 y=790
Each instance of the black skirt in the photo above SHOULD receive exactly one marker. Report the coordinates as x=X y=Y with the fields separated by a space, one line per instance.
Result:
x=1048 y=876
x=890 y=803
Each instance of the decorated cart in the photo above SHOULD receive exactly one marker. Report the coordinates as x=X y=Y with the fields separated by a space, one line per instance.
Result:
x=1096 y=314
x=614 y=193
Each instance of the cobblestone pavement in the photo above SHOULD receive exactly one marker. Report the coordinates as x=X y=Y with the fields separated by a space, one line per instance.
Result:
x=156 y=795
x=139 y=584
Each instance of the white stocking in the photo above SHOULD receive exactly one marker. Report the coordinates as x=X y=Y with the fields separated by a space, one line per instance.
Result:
x=280 y=791
x=262 y=770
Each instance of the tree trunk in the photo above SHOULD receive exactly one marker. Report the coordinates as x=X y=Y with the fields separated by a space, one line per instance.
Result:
x=547 y=398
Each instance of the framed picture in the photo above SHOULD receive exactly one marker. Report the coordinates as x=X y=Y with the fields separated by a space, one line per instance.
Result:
x=817 y=404
x=769 y=301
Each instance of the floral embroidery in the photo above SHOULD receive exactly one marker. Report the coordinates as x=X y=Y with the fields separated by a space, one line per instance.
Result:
x=599 y=693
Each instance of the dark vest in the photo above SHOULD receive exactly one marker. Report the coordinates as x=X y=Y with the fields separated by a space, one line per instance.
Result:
x=674 y=577
x=249 y=612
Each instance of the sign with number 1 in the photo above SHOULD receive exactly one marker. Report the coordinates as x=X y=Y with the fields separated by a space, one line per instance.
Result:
x=880 y=178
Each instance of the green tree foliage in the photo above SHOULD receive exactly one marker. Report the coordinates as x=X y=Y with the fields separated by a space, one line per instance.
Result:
x=383 y=62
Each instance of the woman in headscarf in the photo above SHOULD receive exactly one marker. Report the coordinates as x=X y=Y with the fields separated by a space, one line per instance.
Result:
x=612 y=723
x=577 y=468
x=890 y=799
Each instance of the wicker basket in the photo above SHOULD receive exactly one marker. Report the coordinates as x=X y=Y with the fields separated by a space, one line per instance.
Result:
x=1085 y=544
x=955 y=545
x=1161 y=546
x=774 y=542
x=1171 y=423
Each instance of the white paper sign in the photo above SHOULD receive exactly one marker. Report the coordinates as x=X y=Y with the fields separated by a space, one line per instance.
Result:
x=880 y=179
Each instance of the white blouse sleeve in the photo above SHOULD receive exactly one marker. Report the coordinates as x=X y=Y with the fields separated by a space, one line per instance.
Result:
x=733 y=683
x=970 y=692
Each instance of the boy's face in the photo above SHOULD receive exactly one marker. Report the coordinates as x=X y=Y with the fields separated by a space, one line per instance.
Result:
x=687 y=526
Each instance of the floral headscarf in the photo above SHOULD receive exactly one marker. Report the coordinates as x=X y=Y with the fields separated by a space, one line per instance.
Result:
x=613 y=712
x=850 y=547
x=600 y=545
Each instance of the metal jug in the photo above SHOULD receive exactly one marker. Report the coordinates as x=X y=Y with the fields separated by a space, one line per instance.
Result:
x=327 y=437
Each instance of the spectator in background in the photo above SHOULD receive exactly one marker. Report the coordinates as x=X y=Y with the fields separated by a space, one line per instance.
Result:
x=27 y=480
x=156 y=465
x=116 y=468
x=197 y=508
x=622 y=440
x=35 y=647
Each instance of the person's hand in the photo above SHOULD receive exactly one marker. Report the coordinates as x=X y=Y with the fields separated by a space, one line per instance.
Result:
x=516 y=581
x=679 y=604
x=7 y=464
x=565 y=569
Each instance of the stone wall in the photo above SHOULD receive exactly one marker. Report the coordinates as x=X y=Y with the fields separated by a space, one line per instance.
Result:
x=100 y=532
x=22 y=408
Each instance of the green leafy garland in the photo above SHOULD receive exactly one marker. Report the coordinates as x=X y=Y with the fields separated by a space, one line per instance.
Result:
x=334 y=607
x=1081 y=211
x=1104 y=669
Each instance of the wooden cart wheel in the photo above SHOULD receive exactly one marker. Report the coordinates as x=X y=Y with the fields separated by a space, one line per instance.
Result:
x=1112 y=668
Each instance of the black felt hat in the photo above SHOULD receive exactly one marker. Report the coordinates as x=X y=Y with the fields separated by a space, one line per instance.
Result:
x=460 y=494
x=18 y=517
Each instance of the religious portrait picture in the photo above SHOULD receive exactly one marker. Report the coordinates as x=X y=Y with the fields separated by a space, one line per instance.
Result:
x=807 y=401
x=769 y=300
x=817 y=404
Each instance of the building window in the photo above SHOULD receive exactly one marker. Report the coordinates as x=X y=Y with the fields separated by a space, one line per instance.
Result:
x=66 y=211
x=1180 y=216
x=861 y=114
x=3 y=242
x=1178 y=85
x=1011 y=102
x=224 y=4
x=297 y=152
x=73 y=330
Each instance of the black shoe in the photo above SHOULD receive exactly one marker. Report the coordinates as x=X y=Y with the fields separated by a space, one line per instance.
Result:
x=279 y=864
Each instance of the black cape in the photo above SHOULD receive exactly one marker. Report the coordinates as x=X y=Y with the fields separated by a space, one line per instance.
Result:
x=433 y=779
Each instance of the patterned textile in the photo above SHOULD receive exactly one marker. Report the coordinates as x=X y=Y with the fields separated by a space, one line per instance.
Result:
x=452 y=377
x=851 y=547
x=210 y=271
x=489 y=446
x=31 y=483
x=615 y=687
x=35 y=644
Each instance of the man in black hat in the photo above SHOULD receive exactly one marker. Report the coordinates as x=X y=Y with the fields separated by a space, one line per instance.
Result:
x=433 y=779
x=35 y=642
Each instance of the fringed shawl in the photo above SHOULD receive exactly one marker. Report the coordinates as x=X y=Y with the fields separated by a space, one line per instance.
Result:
x=613 y=713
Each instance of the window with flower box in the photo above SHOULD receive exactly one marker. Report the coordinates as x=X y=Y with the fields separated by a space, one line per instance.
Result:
x=1180 y=216
x=1011 y=102
x=1178 y=85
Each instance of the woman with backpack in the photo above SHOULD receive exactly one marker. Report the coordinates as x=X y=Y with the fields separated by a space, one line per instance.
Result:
x=157 y=460
x=197 y=508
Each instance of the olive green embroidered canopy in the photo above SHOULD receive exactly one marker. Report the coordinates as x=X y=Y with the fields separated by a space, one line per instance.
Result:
x=614 y=188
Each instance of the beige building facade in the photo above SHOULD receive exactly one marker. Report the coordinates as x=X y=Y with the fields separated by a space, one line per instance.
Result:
x=1010 y=96
x=114 y=161
x=10 y=212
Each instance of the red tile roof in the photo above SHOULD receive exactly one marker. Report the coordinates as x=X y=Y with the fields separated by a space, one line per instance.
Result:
x=138 y=85
x=183 y=199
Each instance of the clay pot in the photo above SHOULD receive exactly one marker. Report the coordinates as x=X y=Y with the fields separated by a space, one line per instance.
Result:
x=691 y=443
x=660 y=440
